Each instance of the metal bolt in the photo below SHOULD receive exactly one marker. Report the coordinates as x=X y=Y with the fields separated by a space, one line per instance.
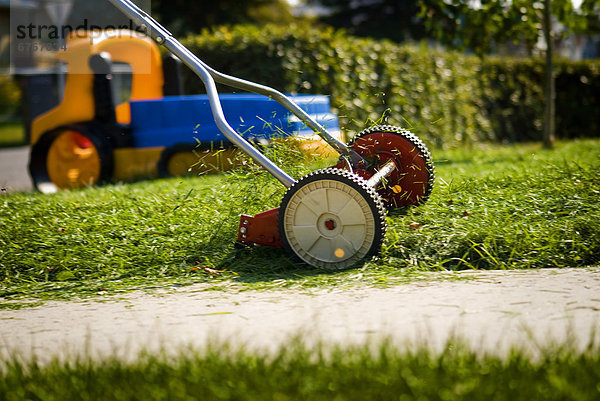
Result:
x=243 y=230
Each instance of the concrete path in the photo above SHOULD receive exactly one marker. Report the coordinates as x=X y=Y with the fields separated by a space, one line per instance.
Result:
x=492 y=310
x=14 y=175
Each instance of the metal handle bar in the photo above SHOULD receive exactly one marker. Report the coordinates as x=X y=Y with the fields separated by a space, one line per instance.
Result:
x=208 y=76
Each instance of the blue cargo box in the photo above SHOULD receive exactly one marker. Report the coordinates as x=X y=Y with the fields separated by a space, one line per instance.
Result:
x=185 y=119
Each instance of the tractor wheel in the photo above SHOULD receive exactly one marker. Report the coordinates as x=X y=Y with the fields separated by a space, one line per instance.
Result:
x=193 y=159
x=331 y=219
x=70 y=157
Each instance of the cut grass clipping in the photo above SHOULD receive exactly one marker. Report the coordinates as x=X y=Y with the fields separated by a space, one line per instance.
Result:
x=493 y=207
x=295 y=372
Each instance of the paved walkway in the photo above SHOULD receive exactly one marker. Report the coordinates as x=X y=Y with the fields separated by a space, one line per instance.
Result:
x=493 y=310
x=14 y=175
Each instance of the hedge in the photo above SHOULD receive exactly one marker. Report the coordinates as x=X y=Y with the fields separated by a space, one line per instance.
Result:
x=446 y=98
x=10 y=96
x=578 y=99
x=427 y=91
x=514 y=95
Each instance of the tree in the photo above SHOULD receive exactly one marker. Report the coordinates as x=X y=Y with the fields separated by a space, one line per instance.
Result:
x=481 y=25
x=390 y=19
x=184 y=16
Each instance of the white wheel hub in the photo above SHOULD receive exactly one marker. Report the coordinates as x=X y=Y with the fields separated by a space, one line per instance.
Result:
x=329 y=224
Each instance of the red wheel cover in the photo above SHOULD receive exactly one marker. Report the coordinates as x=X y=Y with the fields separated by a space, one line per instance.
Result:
x=411 y=182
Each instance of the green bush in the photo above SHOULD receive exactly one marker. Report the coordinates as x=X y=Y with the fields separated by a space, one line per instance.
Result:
x=429 y=91
x=446 y=98
x=10 y=95
x=513 y=98
x=578 y=99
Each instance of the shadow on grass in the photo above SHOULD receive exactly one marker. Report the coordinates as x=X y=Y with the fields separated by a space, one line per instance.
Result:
x=260 y=264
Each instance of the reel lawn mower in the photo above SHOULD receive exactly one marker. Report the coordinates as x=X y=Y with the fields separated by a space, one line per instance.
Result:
x=334 y=217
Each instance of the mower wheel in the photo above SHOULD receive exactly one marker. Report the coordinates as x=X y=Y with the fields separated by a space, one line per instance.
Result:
x=412 y=182
x=331 y=219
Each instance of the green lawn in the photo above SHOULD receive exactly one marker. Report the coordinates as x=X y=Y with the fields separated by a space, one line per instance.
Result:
x=296 y=372
x=493 y=207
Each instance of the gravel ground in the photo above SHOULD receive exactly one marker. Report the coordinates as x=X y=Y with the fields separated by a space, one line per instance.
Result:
x=491 y=310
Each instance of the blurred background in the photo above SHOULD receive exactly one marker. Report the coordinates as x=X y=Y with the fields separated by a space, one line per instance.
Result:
x=455 y=73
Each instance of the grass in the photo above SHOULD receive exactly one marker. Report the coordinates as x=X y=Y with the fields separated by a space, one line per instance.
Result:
x=11 y=134
x=514 y=207
x=297 y=372
x=494 y=207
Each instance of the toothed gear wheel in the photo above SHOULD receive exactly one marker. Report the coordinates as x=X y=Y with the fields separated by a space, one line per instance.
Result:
x=412 y=182
x=331 y=219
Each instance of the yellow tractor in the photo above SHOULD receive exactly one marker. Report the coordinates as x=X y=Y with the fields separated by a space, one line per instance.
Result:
x=88 y=138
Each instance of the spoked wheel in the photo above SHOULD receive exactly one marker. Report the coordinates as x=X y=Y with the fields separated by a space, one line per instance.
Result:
x=331 y=219
x=412 y=182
